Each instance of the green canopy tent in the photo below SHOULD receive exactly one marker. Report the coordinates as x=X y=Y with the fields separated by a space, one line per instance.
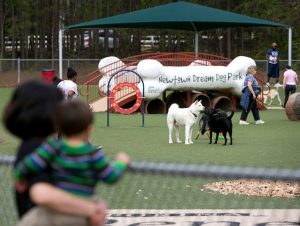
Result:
x=178 y=16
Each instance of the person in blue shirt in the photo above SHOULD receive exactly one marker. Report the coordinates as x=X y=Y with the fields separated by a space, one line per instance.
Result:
x=273 y=65
x=248 y=99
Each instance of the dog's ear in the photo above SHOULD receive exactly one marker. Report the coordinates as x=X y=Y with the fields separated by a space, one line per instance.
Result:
x=196 y=102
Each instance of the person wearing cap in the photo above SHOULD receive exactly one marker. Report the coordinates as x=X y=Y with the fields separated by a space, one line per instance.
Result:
x=273 y=65
x=290 y=81
x=69 y=86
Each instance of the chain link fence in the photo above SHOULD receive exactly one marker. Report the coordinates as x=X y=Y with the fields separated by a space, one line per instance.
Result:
x=188 y=195
x=15 y=71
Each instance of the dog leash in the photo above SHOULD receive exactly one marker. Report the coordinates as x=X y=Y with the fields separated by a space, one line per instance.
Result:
x=194 y=114
x=251 y=105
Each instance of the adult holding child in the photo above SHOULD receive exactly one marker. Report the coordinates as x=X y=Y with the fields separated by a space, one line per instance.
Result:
x=28 y=115
x=77 y=165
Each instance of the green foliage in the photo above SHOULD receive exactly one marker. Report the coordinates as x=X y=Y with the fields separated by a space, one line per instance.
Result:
x=32 y=17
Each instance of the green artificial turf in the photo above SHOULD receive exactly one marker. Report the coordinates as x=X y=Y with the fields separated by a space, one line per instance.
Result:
x=272 y=145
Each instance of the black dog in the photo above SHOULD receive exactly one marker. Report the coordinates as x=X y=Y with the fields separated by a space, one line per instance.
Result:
x=216 y=120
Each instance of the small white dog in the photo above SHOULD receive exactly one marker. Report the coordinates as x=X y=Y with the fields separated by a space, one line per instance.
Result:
x=183 y=117
x=272 y=95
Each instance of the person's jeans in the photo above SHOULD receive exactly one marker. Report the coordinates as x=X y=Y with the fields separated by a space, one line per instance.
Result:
x=287 y=90
x=253 y=107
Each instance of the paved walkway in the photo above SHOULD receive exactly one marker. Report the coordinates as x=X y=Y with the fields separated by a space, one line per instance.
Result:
x=196 y=217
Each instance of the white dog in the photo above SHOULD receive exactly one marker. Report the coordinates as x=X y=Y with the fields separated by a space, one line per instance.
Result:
x=272 y=95
x=183 y=117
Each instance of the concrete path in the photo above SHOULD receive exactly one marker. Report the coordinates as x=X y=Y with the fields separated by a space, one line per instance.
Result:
x=99 y=105
x=203 y=217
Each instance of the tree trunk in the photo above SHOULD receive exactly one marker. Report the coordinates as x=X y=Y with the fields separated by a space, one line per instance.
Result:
x=228 y=34
x=54 y=29
x=106 y=31
x=96 y=31
x=1 y=32
x=13 y=38
x=36 y=41
x=242 y=41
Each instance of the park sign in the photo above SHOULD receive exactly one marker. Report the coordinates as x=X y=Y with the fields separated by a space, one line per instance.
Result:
x=158 y=78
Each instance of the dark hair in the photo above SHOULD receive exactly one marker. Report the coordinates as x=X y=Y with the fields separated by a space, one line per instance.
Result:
x=288 y=67
x=56 y=80
x=73 y=117
x=71 y=73
x=29 y=112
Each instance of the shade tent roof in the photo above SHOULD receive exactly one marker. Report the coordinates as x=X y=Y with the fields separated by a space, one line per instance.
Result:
x=178 y=16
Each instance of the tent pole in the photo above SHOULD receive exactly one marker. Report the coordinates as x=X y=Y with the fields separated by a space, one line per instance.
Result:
x=196 y=40
x=290 y=47
x=196 y=43
x=60 y=47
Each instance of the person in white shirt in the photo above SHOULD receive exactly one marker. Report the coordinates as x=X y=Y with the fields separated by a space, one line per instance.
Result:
x=69 y=87
x=290 y=81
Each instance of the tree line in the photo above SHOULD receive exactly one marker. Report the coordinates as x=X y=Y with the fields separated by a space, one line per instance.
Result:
x=29 y=29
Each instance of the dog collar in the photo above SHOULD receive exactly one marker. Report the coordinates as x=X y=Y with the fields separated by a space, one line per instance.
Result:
x=193 y=114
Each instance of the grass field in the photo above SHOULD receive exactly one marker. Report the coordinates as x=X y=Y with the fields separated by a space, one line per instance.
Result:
x=272 y=145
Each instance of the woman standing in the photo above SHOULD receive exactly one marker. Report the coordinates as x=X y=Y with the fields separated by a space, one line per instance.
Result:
x=290 y=81
x=69 y=86
x=249 y=94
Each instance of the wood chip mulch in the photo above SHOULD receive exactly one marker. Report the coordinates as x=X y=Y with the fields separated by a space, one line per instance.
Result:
x=257 y=188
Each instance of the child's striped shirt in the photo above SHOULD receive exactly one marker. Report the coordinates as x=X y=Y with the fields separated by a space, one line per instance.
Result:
x=74 y=169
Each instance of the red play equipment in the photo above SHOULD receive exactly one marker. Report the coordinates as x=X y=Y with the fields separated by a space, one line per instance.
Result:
x=217 y=99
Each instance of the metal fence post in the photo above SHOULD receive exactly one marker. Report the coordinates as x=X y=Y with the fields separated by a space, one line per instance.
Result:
x=19 y=70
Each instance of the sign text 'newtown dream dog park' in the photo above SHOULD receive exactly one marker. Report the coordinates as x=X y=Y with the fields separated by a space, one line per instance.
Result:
x=195 y=78
x=158 y=78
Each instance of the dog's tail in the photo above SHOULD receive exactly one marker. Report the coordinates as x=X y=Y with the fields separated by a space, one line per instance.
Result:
x=231 y=115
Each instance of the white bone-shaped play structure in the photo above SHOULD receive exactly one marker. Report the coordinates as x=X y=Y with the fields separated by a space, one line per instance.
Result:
x=109 y=66
x=158 y=78
x=216 y=86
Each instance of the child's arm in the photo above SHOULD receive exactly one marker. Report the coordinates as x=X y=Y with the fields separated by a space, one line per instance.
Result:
x=110 y=172
x=34 y=163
